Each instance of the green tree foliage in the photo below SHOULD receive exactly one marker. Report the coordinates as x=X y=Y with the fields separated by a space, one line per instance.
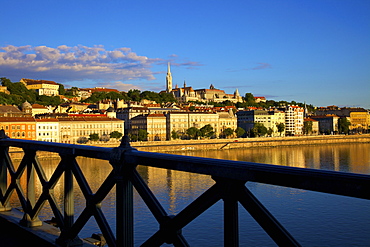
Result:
x=115 y=134
x=82 y=140
x=99 y=96
x=343 y=125
x=193 y=132
x=133 y=137
x=48 y=100
x=142 y=135
x=19 y=94
x=73 y=91
x=134 y=95
x=206 y=131
x=167 y=97
x=61 y=89
x=94 y=137
x=258 y=130
x=270 y=131
x=174 y=134
x=151 y=96
x=307 y=127
x=249 y=98
x=239 y=131
x=280 y=127
x=227 y=132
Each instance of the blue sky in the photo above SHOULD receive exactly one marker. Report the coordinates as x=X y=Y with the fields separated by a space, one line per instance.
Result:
x=317 y=51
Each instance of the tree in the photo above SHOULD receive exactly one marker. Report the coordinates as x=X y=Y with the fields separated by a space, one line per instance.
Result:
x=115 y=134
x=280 y=127
x=249 y=98
x=142 y=135
x=82 y=140
x=93 y=137
x=193 y=132
x=343 y=125
x=259 y=130
x=61 y=89
x=227 y=132
x=134 y=95
x=174 y=134
x=239 y=132
x=73 y=91
x=307 y=127
x=48 y=100
x=207 y=131
x=167 y=97
x=270 y=131
x=133 y=137
x=104 y=138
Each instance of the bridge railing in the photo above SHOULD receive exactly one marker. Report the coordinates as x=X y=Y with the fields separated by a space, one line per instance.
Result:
x=229 y=176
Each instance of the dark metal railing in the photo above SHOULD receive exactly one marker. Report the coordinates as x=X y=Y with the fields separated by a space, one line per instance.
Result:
x=230 y=178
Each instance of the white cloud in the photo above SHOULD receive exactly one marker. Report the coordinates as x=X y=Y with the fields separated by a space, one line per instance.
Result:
x=66 y=63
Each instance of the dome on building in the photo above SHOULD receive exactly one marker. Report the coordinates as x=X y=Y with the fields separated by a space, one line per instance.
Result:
x=26 y=105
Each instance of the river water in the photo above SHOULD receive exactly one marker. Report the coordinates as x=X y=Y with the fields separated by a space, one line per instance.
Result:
x=314 y=219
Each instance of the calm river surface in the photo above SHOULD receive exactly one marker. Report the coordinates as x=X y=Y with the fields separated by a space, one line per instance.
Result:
x=314 y=219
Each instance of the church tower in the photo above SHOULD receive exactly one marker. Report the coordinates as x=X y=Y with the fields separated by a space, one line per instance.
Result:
x=168 y=79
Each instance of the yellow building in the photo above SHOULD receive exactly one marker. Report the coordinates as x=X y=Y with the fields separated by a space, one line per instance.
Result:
x=154 y=124
x=4 y=89
x=359 y=120
x=73 y=128
x=227 y=120
x=181 y=121
x=270 y=119
x=42 y=87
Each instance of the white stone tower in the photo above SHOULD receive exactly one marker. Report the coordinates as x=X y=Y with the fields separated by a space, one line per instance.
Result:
x=168 y=79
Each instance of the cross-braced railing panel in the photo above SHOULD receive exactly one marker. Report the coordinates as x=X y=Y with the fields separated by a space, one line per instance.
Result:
x=230 y=178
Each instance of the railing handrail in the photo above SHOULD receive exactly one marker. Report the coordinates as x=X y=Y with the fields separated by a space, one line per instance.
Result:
x=230 y=177
x=343 y=183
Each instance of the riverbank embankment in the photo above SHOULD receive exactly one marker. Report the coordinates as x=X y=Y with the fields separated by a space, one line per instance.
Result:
x=217 y=144
x=221 y=144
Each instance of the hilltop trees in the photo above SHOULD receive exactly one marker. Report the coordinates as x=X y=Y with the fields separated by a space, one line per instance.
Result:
x=19 y=94
x=132 y=95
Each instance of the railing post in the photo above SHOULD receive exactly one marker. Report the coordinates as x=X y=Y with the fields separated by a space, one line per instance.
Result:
x=68 y=203
x=124 y=194
x=231 y=212
x=28 y=220
x=4 y=152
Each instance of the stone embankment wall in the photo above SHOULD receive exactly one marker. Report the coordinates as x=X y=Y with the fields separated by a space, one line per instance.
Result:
x=214 y=144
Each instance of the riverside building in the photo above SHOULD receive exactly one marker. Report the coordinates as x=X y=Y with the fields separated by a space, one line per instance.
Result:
x=153 y=124
x=270 y=119
x=179 y=122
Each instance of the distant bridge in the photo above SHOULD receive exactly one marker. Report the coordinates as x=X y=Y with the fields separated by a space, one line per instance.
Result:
x=229 y=176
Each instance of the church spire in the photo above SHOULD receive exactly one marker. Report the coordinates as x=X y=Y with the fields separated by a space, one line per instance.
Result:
x=168 y=79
